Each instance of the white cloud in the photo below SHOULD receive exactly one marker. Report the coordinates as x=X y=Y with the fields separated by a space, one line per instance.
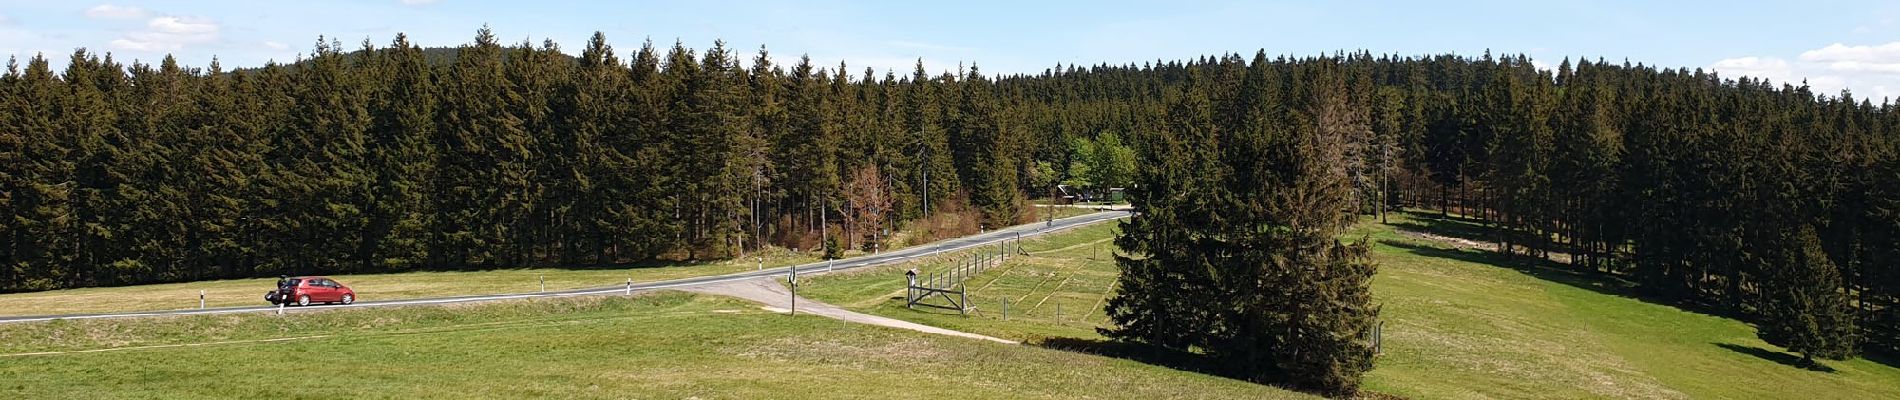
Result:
x=1870 y=71
x=416 y=2
x=1542 y=66
x=183 y=26
x=169 y=33
x=108 y=11
x=4 y=21
x=1759 y=67
x=276 y=46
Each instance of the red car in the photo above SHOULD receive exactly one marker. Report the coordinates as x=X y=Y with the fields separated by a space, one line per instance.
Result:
x=304 y=290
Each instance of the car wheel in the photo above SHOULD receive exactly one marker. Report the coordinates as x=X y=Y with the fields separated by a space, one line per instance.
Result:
x=349 y=298
x=303 y=300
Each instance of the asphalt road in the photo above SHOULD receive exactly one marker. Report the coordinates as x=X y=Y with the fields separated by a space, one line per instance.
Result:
x=895 y=256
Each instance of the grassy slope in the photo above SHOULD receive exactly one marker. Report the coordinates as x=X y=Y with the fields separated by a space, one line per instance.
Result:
x=1058 y=273
x=1545 y=332
x=410 y=285
x=1459 y=324
x=668 y=345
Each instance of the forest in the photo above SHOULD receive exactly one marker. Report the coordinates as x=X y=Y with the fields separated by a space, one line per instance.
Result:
x=1733 y=194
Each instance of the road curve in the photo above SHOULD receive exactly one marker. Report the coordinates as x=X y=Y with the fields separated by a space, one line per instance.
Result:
x=895 y=256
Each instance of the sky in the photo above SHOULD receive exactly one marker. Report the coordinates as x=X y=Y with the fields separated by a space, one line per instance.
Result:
x=1833 y=45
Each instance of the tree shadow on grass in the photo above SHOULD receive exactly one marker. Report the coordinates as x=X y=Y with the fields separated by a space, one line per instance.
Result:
x=1776 y=356
x=1177 y=360
x=1455 y=227
x=1548 y=270
x=1881 y=357
x=1171 y=359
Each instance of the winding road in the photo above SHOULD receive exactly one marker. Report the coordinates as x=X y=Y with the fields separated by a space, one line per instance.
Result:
x=890 y=257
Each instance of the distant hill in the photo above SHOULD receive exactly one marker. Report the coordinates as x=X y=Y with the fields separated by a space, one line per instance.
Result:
x=435 y=56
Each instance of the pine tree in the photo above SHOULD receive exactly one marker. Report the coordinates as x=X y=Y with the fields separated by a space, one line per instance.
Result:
x=485 y=175
x=1804 y=309
x=45 y=236
x=925 y=142
x=766 y=102
x=325 y=164
x=403 y=108
x=586 y=189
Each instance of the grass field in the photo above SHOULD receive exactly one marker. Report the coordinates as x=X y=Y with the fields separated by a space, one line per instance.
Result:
x=392 y=286
x=1058 y=275
x=1458 y=323
x=668 y=345
x=408 y=285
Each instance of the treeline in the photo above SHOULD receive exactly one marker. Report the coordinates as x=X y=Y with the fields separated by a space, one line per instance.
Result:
x=1734 y=195
x=1737 y=196
x=377 y=159
x=1768 y=201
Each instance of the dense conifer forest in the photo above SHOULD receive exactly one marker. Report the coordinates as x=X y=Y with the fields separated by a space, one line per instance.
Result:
x=1725 y=193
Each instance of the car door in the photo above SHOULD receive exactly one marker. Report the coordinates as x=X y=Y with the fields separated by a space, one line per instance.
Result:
x=321 y=291
x=332 y=291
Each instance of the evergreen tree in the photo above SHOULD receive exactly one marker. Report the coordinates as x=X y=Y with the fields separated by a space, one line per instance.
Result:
x=484 y=175
x=1803 y=307
x=403 y=108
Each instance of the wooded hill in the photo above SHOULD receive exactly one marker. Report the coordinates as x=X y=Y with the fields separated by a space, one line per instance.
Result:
x=1725 y=192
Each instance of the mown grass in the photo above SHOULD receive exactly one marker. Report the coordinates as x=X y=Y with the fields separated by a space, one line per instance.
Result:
x=370 y=287
x=1457 y=323
x=667 y=345
x=389 y=286
x=1054 y=292
x=1465 y=323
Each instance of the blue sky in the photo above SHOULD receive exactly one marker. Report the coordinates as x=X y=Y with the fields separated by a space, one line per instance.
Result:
x=1833 y=44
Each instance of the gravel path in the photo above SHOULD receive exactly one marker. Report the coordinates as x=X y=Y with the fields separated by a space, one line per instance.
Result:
x=775 y=297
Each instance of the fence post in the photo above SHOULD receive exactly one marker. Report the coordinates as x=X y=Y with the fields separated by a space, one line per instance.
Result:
x=963 y=295
x=910 y=289
x=1058 y=312
x=1378 y=338
x=1005 y=308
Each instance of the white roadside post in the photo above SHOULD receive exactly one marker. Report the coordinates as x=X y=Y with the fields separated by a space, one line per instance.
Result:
x=544 y=283
x=201 y=299
x=794 y=281
x=280 y=308
x=629 y=286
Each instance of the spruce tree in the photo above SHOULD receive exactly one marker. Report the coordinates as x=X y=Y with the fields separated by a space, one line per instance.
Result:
x=403 y=107
x=1803 y=307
